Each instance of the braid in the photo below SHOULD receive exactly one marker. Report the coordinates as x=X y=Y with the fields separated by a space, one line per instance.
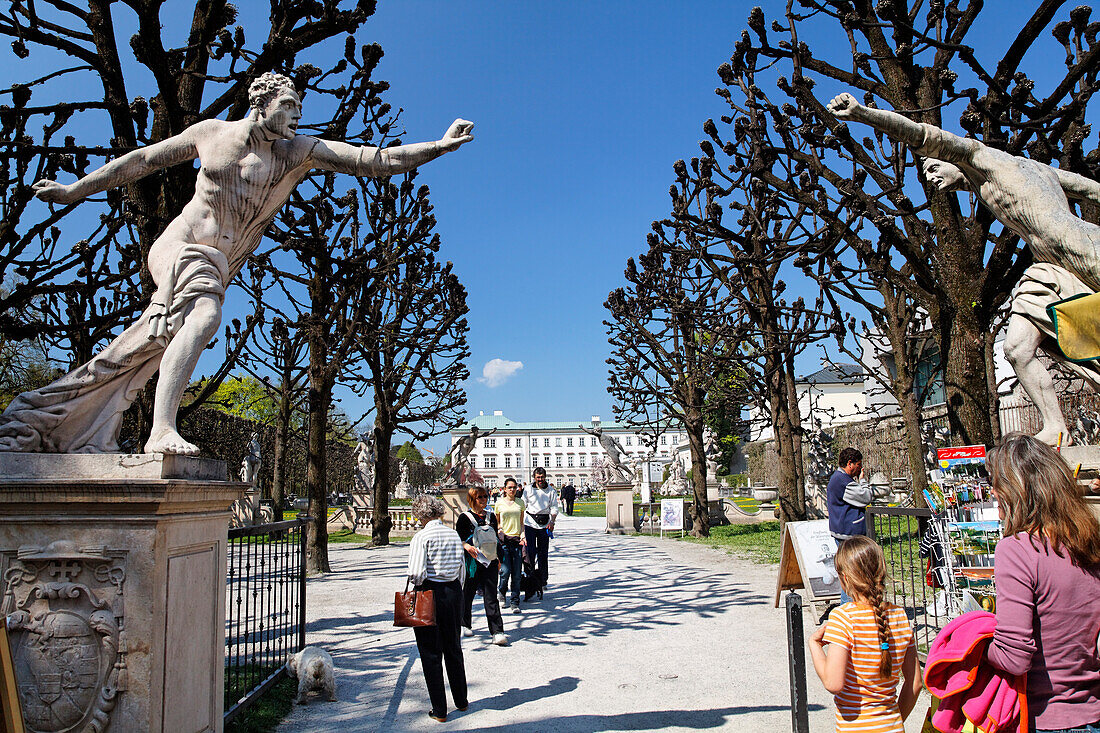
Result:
x=879 y=603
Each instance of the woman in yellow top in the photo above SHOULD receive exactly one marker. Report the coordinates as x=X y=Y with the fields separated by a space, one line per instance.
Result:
x=869 y=640
x=509 y=511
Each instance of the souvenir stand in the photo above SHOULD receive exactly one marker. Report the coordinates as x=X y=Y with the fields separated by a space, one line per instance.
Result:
x=962 y=534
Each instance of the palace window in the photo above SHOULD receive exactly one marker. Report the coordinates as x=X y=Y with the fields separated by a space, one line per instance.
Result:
x=545 y=442
x=628 y=439
x=517 y=443
x=519 y=461
x=557 y=461
x=490 y=461
x=534 y=461
x=490 y=442
x=582 y=442
x=557 y=442
x=675 y=438
x=507 y=442
x=582 y=460
x=507 y=461
x=569 y=460
x=568 y=442
x=664 y=440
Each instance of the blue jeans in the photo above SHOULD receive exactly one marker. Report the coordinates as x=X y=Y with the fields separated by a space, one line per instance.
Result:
x=1090 y=728
x=511 y=567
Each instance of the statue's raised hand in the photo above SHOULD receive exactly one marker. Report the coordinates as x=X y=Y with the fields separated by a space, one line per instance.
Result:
x=53 y=192
x=843 y=106
x=459 y=133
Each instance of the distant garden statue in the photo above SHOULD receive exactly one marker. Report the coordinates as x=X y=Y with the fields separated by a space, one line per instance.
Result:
x=460 y=455
x=614 y=455
x=364 y=465
x=250 y=466
x=248 y=170
x=1029 y=198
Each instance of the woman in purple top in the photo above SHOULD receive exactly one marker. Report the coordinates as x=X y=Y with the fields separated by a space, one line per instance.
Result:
x=1047 y=569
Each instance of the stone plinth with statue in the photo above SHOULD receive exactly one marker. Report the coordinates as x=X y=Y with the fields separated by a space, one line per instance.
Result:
x=115 y=568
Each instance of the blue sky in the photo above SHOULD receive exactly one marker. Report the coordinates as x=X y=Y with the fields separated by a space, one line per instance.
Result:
x=580 y=108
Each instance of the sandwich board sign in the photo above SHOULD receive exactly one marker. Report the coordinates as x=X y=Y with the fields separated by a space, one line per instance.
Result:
x=806 y=561
x=672 y=516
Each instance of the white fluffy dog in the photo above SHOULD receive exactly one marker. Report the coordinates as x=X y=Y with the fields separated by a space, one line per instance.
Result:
x=313 y=668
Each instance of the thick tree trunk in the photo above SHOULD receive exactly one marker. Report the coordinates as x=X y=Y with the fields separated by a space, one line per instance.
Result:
x=282 y=442
x=320 y=398
x=381 y=523
x=792 y=500
x=914 y=444
x=966 y=383
x=693 y=424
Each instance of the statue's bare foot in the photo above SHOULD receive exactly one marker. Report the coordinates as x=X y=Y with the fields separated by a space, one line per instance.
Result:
x=167 y=440
x=1050 y=435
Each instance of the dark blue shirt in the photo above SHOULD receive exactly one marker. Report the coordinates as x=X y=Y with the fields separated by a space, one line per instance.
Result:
x=844 y=519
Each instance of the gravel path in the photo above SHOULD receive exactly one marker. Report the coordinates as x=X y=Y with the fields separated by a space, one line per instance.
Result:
x=634 y=633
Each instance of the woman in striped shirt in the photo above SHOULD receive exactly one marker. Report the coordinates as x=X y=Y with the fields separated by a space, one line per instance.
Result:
x=436 y=560
x=870 y=641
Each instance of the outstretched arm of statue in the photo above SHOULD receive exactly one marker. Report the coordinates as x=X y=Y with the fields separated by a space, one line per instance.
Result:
x=125 y=169
x=331 y=155
x=1077 y=186
x=926 y=140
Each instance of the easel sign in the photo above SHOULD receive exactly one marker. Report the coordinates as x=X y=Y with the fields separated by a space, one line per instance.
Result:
x=11 y=711
x=672 y=516
x=806 y=561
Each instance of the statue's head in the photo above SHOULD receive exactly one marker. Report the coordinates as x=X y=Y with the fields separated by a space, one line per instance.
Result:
x=943 y=175
x=277 y=102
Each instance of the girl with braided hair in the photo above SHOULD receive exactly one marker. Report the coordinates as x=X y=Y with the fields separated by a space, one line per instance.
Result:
x=870 y=642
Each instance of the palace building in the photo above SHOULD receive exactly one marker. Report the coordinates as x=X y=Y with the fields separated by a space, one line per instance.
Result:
x=562 y=448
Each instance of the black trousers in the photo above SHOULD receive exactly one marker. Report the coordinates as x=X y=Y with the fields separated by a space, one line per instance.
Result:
x=538 y=548
x=569 y=506
x=441 y=644
x=486 y=580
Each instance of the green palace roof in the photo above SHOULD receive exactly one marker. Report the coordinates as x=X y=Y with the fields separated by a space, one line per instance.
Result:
x=502 y=422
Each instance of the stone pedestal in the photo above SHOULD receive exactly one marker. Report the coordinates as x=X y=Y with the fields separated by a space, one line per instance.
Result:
x=115 y=570
x=455 y=499
x=622 y=514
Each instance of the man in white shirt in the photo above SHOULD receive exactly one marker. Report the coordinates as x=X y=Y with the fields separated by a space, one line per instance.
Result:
x=541 y=501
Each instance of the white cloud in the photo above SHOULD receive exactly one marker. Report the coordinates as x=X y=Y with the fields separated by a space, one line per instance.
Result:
x=498 y=371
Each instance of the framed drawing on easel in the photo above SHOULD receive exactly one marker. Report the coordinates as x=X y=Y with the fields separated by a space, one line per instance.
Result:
x=11 y=712
x=806 y=561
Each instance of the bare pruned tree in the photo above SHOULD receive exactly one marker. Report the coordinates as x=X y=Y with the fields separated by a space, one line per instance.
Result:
x=670 y=329
x=941 y=256
x=415 y=350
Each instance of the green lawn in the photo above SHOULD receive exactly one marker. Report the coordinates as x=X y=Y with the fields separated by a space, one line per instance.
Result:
x=756 y=542
x=345 y=536
x=589 y=509
x=265 y=714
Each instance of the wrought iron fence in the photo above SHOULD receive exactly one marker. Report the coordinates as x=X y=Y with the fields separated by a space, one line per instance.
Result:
x=898 y=530
x=265 y=608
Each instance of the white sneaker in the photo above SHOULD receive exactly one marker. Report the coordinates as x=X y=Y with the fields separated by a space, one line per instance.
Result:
x=467 y=632
x=500 y=640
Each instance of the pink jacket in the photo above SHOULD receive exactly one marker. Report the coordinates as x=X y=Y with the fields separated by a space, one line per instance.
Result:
x=969 y=688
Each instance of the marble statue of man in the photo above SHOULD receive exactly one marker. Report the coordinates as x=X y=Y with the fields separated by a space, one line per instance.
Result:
x=250 y=465
x=614 y=453
x=364 y=464
x=1029 y=198
x=460 y=453
x=247 y=170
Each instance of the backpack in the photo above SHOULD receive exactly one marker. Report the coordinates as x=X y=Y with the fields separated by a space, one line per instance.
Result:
x=484 y=537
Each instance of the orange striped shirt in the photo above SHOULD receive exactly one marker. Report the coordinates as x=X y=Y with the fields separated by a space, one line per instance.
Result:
x=868 y=702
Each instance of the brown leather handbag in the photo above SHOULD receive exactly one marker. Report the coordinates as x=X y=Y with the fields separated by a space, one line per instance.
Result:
x=413 y=608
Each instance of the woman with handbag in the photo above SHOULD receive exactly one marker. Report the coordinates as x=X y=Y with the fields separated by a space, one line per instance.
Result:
x=436 y=564
x=478 y=530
